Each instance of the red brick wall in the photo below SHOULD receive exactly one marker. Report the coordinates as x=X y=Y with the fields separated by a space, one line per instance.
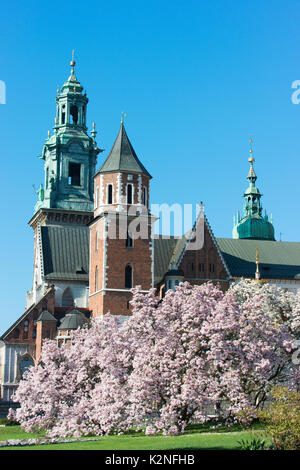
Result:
x=117 y=257
x=205 y=264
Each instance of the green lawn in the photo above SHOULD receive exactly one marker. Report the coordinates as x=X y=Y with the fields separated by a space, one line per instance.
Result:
x=195 y=438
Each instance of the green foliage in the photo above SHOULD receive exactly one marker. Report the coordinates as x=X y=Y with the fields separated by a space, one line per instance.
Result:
x=8 y=422
x=256 y=443
x=246 y=417
x=282 y=418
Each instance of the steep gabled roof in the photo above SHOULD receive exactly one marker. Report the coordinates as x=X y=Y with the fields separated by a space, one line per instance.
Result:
x=32 y=310
x=172 y=249
x=122 y=156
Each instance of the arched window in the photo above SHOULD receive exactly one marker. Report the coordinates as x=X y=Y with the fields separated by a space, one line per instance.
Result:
x=63 y=113
x=73 y=114
x=129 y=194
x=109 y=194
x=67 y=298
x=24 y=364
x=128 y=277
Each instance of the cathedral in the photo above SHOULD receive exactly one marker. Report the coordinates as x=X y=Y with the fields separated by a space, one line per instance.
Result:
x=87 y=256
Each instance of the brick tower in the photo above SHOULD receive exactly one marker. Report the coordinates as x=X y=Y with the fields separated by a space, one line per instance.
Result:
x=121 y=248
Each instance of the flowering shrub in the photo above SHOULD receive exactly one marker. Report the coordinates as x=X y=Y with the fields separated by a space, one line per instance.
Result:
x=283 y=418
x=168 y=364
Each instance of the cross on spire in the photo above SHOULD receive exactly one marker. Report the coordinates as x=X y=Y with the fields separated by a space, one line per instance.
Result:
x=251 y=149
x=123 y=115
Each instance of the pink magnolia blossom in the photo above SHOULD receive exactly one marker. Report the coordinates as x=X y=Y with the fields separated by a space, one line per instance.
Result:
x=196 y=352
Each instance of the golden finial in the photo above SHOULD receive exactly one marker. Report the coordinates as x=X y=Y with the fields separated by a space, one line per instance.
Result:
x=123 y=115
x=48 y=134
x=73 y=63
x=94 y=125
x=57 y=90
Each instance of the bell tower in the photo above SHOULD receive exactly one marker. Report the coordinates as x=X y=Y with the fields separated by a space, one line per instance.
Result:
x=121 y=247
x=69 y=154
x=65 y=200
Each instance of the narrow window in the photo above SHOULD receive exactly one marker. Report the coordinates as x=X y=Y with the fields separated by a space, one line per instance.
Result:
x=128 y=277
x=74 y=174
x=145 y=196
x=73 y=114
x=47 y=178
x=129 y=241
x=63 y=114
x=129 y=194
x=109 y=194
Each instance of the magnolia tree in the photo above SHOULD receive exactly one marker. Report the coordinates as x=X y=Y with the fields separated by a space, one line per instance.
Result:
x=171 y=362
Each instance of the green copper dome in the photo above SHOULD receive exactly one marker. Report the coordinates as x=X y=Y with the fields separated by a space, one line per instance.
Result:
x=253 y=225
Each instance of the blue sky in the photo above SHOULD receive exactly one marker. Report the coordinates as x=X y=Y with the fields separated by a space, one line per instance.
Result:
x=195 y=79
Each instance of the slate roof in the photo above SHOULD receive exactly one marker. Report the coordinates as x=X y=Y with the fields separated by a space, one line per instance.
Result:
x=73 y=320
x=164 y=247
x=46 y=316
x=122 y=156
x=277 y=260
x=65 y=253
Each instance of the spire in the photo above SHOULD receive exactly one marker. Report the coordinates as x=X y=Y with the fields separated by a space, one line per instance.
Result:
x=251 y=175
x=253 y=224
x=122 y=156
x=72 y=63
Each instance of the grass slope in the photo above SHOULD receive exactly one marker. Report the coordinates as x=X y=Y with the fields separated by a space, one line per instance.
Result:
x=195 y=438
